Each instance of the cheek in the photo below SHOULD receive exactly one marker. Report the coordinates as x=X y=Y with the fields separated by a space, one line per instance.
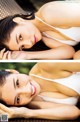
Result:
x=30 y=28
x=25 y=100
x=24 y=79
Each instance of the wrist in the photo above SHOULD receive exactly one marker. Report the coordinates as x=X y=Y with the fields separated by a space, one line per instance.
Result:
x=27 y=113
x=36 y=114
x=30 y=55
x=35 y=55
x=32 y=113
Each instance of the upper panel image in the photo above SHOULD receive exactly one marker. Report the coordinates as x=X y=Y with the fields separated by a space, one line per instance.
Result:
x=39 y=30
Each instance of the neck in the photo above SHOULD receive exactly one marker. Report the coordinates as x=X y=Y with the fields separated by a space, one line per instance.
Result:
x=40 y=25
x=40 y=82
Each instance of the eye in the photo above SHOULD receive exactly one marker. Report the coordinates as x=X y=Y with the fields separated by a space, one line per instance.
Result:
x=18 y=99
x=20 y=37
x=17 y=83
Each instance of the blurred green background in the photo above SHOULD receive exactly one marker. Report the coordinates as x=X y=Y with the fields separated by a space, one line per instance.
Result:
x=23 y=67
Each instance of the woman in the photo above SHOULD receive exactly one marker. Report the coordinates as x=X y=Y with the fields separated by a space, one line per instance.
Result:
x=57 y=24
x=51 y=91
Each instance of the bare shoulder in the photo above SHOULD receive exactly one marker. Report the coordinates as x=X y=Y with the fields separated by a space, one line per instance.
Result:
x=45 y=11
x=44 y=67
x=59 y=12
x=35 y=69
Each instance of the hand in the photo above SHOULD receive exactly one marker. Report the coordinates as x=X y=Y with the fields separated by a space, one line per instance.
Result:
x=15 y=112
x=12 y=55
x=5 y=55
x=6 y=110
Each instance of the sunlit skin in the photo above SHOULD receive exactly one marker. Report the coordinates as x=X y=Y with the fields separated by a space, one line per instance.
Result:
x=23 y=36
x=29 y=32
x=19 y=89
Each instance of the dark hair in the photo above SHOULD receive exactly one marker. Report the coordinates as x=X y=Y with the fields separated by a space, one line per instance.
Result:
x=7 y=25
x=3 y=75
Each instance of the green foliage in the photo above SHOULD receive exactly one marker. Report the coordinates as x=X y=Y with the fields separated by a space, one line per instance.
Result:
x=24 y=67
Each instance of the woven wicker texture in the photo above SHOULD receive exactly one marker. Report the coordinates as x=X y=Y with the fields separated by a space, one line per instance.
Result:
x=8 y=7
x=41 y=120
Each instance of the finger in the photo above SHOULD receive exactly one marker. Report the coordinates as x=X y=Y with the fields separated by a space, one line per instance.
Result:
x=2 y=52
x=4 y=108
x=2 y=112
x=9 y=55
x=5 y=55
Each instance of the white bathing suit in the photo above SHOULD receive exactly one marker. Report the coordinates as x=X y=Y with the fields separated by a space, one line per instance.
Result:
x=72 y=82
x=72 y=32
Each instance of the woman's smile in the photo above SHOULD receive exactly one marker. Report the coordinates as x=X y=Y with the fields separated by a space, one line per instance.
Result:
x=33 y=89
x=35 y=39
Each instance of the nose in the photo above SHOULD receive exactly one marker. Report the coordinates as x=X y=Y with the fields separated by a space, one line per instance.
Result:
x=26 y=44
x=24 y=91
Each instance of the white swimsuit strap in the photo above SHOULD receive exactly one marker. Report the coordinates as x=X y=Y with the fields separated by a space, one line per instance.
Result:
x=41 y=77
x=69 y=42
x=45 y=22
x=73 y=32
x=69 y=100
x=69 y=81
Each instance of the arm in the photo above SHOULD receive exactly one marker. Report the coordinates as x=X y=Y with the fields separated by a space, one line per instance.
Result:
x=61 y=13
x=64 y=112
x=61 y=52
x=61 y=112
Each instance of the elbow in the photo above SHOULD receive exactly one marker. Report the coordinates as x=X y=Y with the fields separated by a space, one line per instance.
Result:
x=68 y=52
x=77 y=55
x=73 y=113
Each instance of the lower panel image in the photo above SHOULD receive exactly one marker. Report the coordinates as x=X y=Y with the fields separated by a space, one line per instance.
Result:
x=39 y=91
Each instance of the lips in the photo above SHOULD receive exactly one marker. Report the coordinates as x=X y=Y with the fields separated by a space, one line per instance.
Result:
x=33 y=89
x=35 y=39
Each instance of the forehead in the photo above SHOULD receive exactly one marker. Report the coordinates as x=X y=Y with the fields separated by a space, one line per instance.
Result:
x=11 y=43
x=8 y=90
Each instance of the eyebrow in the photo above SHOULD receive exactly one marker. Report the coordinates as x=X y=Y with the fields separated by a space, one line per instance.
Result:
x=17 y=40
x=14 y=88
x=18 y=43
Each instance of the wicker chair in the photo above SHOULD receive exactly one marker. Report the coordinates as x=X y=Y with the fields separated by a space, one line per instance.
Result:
x=8 y=7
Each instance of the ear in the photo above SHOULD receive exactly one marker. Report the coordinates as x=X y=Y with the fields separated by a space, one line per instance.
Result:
x=19 y=20
x=12 y=71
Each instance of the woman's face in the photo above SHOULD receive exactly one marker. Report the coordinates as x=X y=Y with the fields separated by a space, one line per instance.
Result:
x=19 y=89
x=24 y=36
